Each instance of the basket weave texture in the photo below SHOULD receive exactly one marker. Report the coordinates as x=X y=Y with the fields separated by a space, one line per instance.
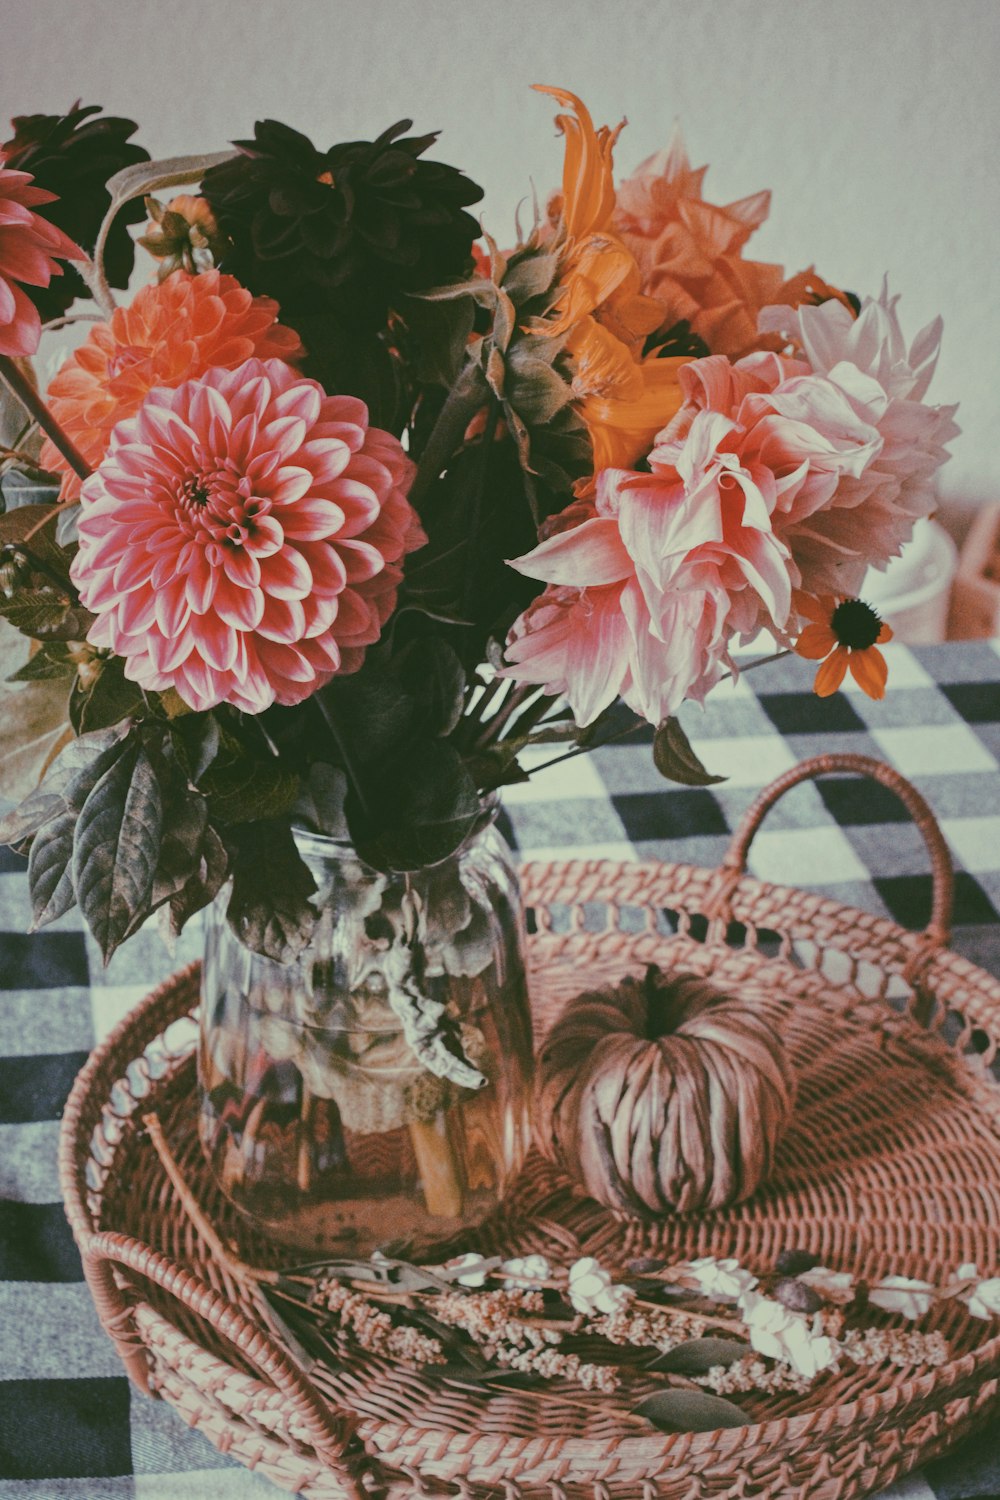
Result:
x=891 y=1165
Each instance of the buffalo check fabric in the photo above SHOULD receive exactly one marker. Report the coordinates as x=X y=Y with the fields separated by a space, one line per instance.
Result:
x=71 y=1427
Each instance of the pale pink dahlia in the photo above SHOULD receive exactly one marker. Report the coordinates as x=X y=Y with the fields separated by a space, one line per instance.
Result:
x=865 y=363
x=612 y=623
x=30 y=251
x=242 y=541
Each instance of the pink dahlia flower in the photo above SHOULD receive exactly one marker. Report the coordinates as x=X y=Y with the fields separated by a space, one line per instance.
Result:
x=618 y=619
x=30 y=251
x=864 y=368
x=242 y=541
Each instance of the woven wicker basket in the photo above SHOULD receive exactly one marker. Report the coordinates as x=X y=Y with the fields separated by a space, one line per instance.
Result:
x=892 y=1165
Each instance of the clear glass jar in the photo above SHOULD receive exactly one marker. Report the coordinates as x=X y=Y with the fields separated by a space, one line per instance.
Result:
x=375 y=1093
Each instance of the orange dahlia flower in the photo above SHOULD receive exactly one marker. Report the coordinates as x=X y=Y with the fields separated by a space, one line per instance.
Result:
x=690 y=253
x=843 y=635
x=172 y=331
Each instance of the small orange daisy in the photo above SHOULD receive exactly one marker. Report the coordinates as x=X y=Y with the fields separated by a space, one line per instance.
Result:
x=844 y=635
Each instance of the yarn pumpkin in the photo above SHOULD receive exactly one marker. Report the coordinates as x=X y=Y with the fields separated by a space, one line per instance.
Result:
x=664 y=1094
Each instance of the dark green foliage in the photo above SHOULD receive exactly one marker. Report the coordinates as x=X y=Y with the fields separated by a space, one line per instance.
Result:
x=73 y=155
x=341 y=238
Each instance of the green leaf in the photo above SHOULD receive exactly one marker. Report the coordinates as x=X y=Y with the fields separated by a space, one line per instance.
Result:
x=43 y=615
x=72 y=774
x=51 y=663
x=321 y=800
x=435 y=678
x=50 y=870
x=15 y=525
x=117 y=847
x=79 y=766
x=197 y=740
x=530 y=276
x=150 y=176
x=370 y=710
x=269 y=909
x=698 y=1356
x=108 y=700
x=690 y=1411
x=243 y=789
x=425 y=812
x=674 y=758
x=536 y=391
x=438 y=338
x=185 y=819
x=477 y=287
x=204 y=885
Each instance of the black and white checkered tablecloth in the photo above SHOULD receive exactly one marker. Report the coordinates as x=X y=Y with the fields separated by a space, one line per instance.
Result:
x=70 y=1426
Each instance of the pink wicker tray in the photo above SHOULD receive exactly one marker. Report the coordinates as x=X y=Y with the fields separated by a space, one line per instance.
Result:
x=892 y=1165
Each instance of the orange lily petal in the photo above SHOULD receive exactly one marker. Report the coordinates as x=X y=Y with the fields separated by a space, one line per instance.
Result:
x=603 y=364
x=831 y=673
x=870 y=671
x=815 y=642
x=588 y=184
x=622 y=429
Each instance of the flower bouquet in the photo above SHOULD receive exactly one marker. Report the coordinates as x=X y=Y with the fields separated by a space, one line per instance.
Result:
x=346 y=509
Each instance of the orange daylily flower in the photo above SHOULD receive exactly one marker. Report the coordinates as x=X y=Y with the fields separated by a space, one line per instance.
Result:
x=623 y=399
x=623 y=420
x=600 y=276
x=844 y=636
x=588 y=196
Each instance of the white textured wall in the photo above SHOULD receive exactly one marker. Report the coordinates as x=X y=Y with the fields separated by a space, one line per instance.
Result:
x=875 y=122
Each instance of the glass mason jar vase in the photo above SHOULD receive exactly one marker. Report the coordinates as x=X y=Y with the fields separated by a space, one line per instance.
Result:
x=374 y=1093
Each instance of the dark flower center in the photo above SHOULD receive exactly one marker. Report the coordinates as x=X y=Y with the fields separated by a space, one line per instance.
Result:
x=855 y=624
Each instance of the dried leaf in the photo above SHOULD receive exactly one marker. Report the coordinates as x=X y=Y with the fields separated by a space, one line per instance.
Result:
x=536 y=391
x=674 y=758
x=33 y=716
x=690 y=1411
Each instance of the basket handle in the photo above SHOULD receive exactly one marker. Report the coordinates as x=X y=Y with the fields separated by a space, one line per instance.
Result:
x=330 y=1431
x=937 y=931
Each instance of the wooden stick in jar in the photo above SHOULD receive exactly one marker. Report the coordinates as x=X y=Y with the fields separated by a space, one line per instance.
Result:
x=439 y=1175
